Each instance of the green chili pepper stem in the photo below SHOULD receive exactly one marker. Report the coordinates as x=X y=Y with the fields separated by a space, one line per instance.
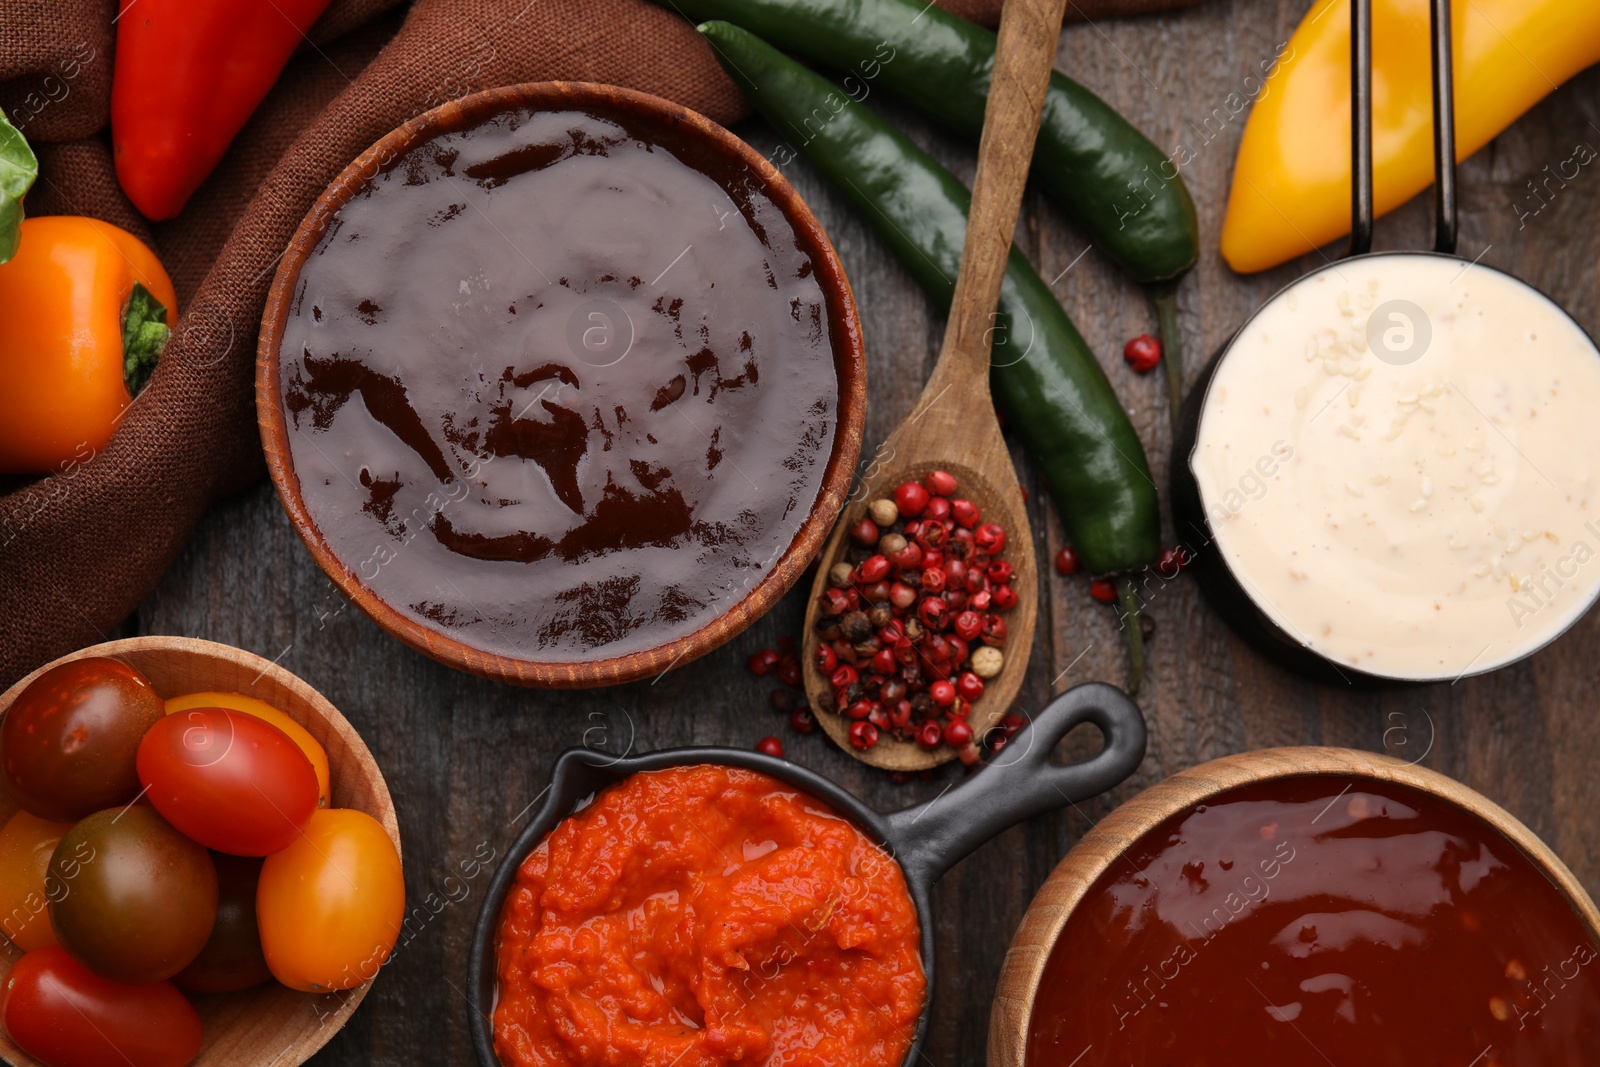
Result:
x=1165 y=296
x=1128 y=600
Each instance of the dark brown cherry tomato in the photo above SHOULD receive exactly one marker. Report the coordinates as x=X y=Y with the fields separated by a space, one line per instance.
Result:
x=65 y=1016
x=138 y=899
x=67 y=745
x=231 y=781
x=232 y=959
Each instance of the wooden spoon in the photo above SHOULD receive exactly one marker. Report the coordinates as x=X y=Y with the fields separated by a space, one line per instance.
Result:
x=953 y=425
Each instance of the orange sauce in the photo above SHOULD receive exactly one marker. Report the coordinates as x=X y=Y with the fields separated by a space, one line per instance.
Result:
x=707 y=915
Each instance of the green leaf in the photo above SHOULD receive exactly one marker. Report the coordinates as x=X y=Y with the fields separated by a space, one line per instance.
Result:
x=144 y=335
x=18 y=169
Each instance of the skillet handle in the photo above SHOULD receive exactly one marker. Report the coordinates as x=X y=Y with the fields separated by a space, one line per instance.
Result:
x=1022 y=782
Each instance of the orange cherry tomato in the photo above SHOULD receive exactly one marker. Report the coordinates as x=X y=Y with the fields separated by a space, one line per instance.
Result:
x=26 y=845
x=330 y=905
x=262 y=710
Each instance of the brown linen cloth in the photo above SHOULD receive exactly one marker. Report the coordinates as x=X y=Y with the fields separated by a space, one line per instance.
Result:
x=80 y=549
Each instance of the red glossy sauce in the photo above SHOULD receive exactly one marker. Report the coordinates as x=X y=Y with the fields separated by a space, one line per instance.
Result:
x=1298 y=924
x=707 y=915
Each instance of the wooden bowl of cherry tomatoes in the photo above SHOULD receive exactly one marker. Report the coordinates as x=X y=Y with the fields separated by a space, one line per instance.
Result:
x=199 y=861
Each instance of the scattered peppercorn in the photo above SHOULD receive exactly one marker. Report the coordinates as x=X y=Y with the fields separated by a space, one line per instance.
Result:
x=864 y=533
x=910 y=629
x=958 y=734
x=1067 y=560
x=770 y=746
x=764 y=661
x=910 y=498
x=801 y=721
x=1143 y=353
x=883 y=511
x=1103 y=591
x=863 y=735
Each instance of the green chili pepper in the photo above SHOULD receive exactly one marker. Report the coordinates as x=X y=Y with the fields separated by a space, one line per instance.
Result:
x=1045 y=379
x=1104 y=173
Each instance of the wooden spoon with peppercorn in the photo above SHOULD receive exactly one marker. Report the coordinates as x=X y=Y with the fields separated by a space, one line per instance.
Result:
x=929 y=582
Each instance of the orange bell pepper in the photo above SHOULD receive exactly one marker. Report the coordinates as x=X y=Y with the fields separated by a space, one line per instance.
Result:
x=84 y=305
x=1291 y=184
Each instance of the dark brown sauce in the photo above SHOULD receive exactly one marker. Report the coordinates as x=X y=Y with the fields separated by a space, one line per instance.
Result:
x=1320 y=920
x=559 y=385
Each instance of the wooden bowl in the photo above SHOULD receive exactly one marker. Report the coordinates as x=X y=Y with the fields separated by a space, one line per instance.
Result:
x=1047 y=915
x=849 y=366
x=270 y=1025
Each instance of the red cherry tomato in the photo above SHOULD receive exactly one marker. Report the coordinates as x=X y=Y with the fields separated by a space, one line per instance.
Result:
x=231 y=781
x=62 y=1015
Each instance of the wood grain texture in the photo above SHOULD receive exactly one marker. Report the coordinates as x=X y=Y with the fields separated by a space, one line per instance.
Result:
x=1052 y=906
x=464 y=757
x=270 y=1025
x=953 y=426
x=843 y=323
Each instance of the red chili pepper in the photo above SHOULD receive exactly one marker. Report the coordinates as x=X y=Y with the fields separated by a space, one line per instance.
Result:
x=187 y=77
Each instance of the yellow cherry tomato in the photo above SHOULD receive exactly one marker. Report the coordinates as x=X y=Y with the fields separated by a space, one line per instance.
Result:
x=330 y=906
x=262 y=710
x=25 y=847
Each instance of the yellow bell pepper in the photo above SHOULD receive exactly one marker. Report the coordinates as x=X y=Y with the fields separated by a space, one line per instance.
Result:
x=1291 y=184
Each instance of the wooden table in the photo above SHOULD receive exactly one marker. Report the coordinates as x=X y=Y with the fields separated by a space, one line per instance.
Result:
x=465 y=758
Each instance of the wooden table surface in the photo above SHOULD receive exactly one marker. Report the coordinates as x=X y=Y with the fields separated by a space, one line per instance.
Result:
x=465 y=758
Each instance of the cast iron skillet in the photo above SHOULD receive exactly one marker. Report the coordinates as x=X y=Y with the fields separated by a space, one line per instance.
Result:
x=925 y=840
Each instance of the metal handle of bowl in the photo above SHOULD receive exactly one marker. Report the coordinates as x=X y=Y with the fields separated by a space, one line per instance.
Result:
x=1022 y=782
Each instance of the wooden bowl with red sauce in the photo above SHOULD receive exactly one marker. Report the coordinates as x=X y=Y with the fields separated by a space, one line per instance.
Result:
x=1302 y=906
x=562 y=384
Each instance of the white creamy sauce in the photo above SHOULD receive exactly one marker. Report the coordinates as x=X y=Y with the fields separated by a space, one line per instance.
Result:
x=1410 y=515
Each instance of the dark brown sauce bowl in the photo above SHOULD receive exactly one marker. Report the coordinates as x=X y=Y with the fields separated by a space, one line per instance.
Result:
x=848 y=361
x=1110 y=841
